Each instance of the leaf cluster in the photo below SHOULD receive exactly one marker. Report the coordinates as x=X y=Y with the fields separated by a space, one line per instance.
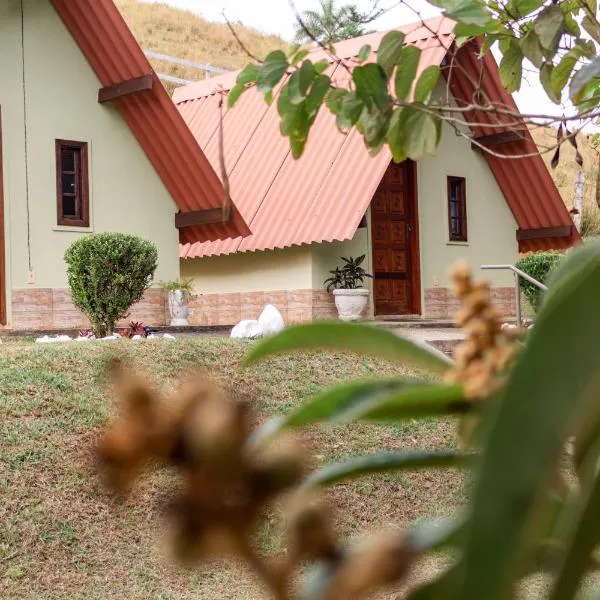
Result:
x=349 y=277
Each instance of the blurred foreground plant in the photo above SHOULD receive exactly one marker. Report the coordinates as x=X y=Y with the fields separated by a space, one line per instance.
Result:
x=522 y=517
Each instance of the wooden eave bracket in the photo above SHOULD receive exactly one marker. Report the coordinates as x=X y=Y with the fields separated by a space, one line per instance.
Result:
x=544 y=232
x=125 y=88
x=209 y=216
x=497 y=139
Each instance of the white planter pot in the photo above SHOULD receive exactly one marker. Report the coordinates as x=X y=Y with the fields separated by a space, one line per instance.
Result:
x=178 y=308
x=351 y=304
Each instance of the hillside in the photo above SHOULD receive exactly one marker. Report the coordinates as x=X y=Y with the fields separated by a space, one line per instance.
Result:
x=183 y=34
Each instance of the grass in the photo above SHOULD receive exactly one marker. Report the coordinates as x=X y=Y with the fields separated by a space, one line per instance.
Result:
x=184 y=34
x=62 y=537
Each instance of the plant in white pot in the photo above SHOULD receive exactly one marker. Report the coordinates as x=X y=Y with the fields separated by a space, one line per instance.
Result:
x=179 y=294
x=346 y=284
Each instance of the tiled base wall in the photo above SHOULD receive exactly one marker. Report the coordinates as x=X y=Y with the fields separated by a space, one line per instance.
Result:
x=440 y=303
x=295 y=305
x=48 y=309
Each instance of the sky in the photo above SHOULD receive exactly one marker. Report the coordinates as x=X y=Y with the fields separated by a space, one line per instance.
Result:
x=276 y=16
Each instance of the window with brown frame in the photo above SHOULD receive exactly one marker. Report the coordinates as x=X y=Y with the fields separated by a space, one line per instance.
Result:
x=457 y=209
x=72 y=185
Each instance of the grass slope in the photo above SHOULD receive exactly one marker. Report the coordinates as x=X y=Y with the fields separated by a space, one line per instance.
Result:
x=183 y=34
x=62 y=538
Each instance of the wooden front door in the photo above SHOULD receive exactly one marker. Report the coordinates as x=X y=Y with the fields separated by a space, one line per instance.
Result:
x=395 y=237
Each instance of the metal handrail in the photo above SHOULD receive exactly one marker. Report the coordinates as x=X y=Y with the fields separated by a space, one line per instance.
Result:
x=518 y=276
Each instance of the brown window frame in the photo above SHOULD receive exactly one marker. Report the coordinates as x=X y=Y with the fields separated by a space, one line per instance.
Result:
x=82 y=193
x=462 y=209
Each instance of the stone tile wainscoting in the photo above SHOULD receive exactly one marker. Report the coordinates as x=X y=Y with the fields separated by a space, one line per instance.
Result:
x=49 y=309
x=440 y=303
x=296 y=306
x=53 y=309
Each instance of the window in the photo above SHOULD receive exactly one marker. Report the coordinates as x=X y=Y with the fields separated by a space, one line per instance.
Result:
x=72 y=183
x=457 y=209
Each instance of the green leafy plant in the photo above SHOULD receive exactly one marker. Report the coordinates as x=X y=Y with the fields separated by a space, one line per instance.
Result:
x=558 y=39
x=350 y=277
x=526 y=404
x=107 y=274
x=185 y=285
x=538 y=265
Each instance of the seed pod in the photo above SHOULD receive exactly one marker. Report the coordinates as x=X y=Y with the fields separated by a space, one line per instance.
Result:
x=384 y=560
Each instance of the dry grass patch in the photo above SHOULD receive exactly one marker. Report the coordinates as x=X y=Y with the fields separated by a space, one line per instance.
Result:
x=62 y=537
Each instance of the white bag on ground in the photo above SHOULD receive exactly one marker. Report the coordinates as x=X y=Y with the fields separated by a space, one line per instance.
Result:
x=247 y=329
x=271 y=320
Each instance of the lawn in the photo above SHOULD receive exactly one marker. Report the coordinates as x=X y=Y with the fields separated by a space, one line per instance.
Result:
x=62 y=537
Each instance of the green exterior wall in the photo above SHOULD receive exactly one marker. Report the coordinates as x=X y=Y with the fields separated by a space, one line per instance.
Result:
x=60 y=98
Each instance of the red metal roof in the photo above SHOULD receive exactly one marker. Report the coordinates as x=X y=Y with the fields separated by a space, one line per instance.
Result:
x=323 y=196
x=113 y=53
x=526 y=183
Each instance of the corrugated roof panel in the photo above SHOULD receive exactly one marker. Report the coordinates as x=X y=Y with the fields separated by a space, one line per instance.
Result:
x=323 y=196
x=109 y=46
x=525 y=182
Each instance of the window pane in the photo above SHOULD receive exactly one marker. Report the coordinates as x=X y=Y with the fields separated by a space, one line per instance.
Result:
x=68 y=159
x=68 y=184
x=453 y=210
x=69 y=206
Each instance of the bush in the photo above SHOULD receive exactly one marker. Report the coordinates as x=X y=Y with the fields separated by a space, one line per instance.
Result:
x=538 y=265
x=108 y=273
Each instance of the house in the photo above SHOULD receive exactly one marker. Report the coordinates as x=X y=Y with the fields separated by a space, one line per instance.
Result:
x=90 y=142
x=413 y=221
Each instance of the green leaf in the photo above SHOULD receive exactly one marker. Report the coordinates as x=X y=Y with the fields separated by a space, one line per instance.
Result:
x=532 y=49
x=352 y=337
x=549 y=26
x=546 y=81
x=427 y=83
x=299 y=56
x=300 y=82
x=562 y=72
x=422 y=133
x=371 y=86
x=389 y=53
x=411 y=403
x=335 y=98
x=581 y=543
x=234 y=94
x=249 y=74
x=321 y=66
x=396 y=136
x=364 y=53
x=511 y=68
x=316 y=96
x=471 y=12
x=583 y=77
x=330 y=405
x=591 y=26
x=516 y=9
x=271 y=71
x=571 y=25
x=387 y=461
x=351 y=111
x=539 y=405
x=436 y=534
x=373 y=124
x=407 y=71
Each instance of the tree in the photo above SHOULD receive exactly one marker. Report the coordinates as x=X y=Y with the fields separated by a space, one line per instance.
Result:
x=331 y=23
x=557 y=40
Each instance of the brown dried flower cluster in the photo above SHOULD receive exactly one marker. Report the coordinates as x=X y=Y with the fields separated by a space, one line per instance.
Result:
x=485 y=354
x=226 y=489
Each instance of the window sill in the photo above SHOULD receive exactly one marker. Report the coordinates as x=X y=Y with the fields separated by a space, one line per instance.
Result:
x=457 y=243
x=73 y=229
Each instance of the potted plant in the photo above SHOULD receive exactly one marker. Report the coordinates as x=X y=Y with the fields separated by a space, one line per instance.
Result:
x=180 y=293
x=346 y=283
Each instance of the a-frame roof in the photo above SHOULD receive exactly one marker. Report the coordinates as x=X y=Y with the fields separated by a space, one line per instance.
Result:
x=323 y=196
x=115 y=56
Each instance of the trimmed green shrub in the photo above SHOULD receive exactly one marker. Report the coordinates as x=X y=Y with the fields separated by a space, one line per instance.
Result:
x=538 y=265
x=108 y=273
